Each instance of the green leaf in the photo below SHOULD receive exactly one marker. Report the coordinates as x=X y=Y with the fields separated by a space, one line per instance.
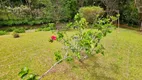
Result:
x=58 y=55
x=98 y=51
x=60 y=35
x=69 y=59
x=24 y=71
x=77 y=17
x=32 y=77
x=99 y=35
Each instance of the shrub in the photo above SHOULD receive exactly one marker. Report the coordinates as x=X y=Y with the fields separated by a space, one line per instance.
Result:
x=44 y=29
x=52 y=26
x=39 y=29
x=91 y=13
x=47 y=27
x=68 y=26
x=10 y=29
x=10 y=22
x=3 y=32
x=38 y=22
x=31 y=23
x=129 y=13
x=23 y=22
x=44 y=26
x=15 y=35
x=20 y=30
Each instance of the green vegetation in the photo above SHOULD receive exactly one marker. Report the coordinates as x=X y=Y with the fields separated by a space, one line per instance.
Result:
x=91 y=13
x=33 y=12
x=129 y=13
x=3 y=32
x=47 y=27
x=34 y=38
x=23 y=22
x=22 y=29
x=19 y=30
x=122 y=59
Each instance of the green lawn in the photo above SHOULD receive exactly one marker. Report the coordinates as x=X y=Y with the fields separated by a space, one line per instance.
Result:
x=122 y=59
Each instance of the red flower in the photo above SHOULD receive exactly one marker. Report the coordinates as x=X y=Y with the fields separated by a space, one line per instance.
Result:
x=53 y=37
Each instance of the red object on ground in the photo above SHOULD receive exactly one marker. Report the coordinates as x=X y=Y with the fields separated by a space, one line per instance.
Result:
x=53 y=37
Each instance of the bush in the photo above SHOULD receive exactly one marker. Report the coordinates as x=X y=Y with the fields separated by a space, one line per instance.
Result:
x=39 y=29
x=20 y=30
x=15 y=35
x=43 y=29
x=31 y=23
x=10 y=29
x=38 y=22
x=44 y=26
x=3 y=32
x=52 y=26
x=129 y=13
x=10 y=22
x=69 y=26
x=91 y=13
x=47 y=27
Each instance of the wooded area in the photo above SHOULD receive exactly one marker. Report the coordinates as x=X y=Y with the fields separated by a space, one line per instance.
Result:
x=32 y=12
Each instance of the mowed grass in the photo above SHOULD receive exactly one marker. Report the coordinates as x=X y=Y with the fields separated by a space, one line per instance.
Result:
x=122 y=59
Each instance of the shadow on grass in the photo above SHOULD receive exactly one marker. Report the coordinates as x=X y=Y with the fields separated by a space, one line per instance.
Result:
x=100 y=68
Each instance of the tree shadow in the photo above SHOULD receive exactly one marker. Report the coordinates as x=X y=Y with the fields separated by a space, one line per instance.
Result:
x=101 y=68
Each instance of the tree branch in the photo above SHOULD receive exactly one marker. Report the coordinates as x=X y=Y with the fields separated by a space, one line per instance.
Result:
x=43 y=75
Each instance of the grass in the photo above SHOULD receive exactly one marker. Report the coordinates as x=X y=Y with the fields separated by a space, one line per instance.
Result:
x=122 y=59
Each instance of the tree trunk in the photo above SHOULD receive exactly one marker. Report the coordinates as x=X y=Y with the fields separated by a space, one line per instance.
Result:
x=141 y=26
x=140 y=17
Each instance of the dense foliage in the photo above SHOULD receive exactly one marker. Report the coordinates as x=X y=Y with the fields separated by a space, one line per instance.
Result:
x=91 y=13
x=129 y=13
x=32 y=12
x=2 y=32
x=36 y=12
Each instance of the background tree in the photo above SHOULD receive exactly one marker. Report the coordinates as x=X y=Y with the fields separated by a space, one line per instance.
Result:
x=64 y=10
x=110 y=5
x=138 y=4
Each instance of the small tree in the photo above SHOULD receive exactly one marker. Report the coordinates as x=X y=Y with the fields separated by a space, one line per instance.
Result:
x=81 y=45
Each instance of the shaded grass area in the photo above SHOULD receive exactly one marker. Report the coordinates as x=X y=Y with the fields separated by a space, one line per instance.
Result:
x=122 y=59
